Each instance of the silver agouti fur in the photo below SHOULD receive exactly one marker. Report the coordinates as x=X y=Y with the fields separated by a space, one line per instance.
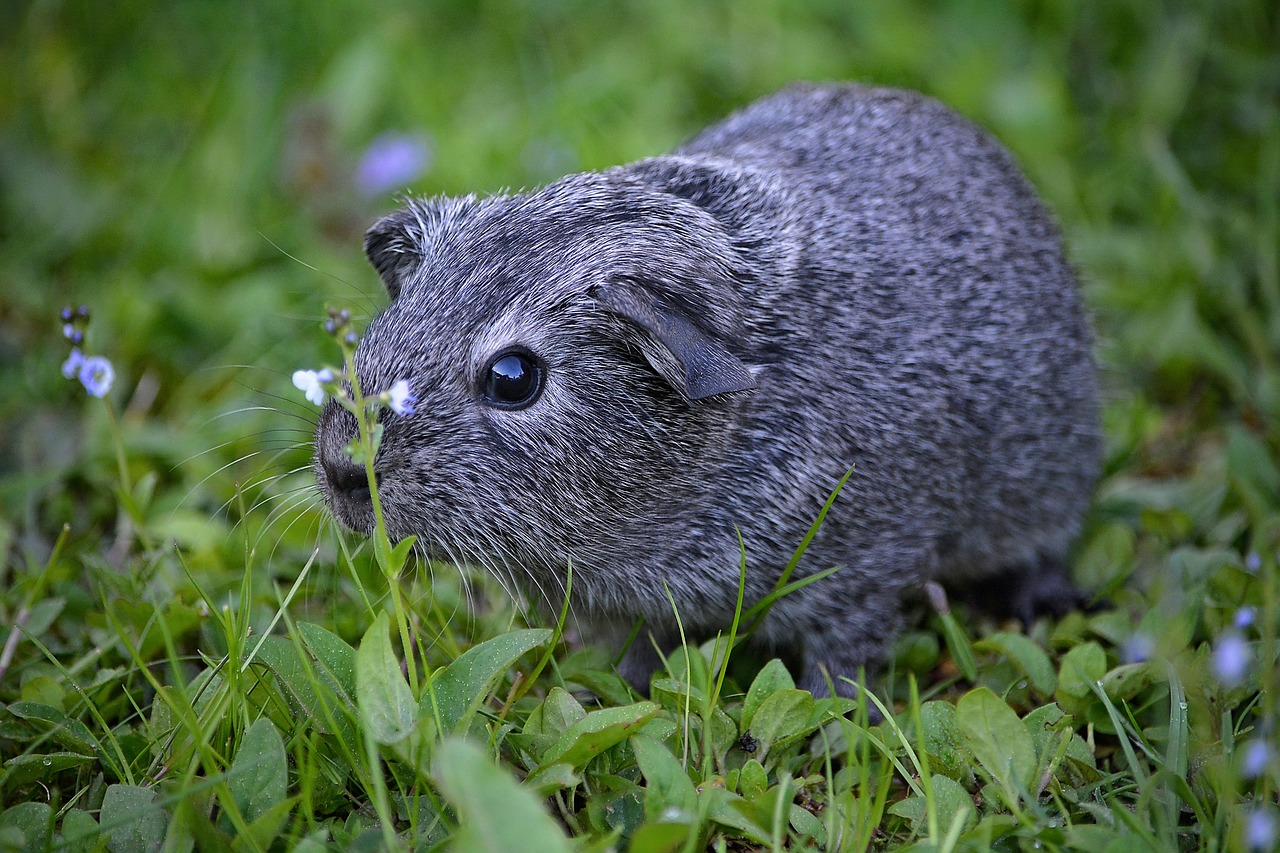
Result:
x=835 y=277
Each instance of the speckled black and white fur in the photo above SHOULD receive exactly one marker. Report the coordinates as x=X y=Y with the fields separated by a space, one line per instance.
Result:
x=835 y=277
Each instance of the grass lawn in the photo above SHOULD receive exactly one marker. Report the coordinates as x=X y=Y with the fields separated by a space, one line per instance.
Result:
x=193 y=657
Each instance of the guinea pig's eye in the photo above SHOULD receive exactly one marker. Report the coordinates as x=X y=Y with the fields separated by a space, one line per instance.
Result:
x=512 y=379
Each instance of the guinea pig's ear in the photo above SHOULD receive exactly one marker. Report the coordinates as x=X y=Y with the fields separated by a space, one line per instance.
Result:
x=393 y=245
x=690 y=359
x=730 y=195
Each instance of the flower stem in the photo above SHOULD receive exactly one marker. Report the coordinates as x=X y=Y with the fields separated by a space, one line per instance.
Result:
x=382 y=547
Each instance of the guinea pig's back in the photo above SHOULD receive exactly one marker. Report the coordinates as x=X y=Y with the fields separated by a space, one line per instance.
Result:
x=941 y=323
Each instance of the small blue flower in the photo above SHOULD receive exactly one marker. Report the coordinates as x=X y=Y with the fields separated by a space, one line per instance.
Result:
x=1260 y=830
x=390 y=162
x=1254 y=758
x=400 y=399
x=1231 y=657
x=96 y=374
x=71 y=367
x=1138 y=648
x=1253 y=562
x=1244 y=617
x=312 y=382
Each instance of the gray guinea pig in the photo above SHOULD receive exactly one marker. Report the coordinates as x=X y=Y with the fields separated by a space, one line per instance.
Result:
x=625 y=370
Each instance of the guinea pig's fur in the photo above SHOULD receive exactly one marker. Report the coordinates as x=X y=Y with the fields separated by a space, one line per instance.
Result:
x=834 y=278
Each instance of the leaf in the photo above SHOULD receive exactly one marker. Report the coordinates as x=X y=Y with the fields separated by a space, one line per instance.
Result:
x=132 y=820
x=386 y=704
x=667 y=784
x=259 y=774
x=316 y=693
x=552 y=779
x=958 y=645
x=598 y=731
x=24 y=769
x=752 y=779
x=728 y=809
x=71 y=734
x=560 y=711
x=807 y=825
x=33 y=820
x=332 y=654
x=1029 y=658
x=665 y=837
x=942 y=741
x=998 y=739
x=1129 y=679
x=459 y=689
x=781 y=718
x=78 y=829
x=494 y=811
x=771 y=678
x=1081 y=668
x=951 y=802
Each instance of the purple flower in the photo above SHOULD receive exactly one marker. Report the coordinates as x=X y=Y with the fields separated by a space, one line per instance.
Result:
x=71 y=367
x=96 y=375
x=312 y=382
x=1244 y=617
x=1138 y=648
x=1254 y=758
x=1260 y=830
x=391 y=161
x=400 y=399
x=1231 y=656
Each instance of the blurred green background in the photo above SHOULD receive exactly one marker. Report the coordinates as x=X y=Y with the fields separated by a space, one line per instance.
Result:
x=190 y=171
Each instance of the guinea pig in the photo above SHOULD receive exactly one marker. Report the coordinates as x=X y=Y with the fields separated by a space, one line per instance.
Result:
x=646 y=372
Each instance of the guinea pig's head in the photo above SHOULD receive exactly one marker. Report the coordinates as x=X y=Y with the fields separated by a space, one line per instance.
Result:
x=577 y=355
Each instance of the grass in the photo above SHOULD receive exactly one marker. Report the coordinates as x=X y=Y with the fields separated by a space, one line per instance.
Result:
x=193 y=658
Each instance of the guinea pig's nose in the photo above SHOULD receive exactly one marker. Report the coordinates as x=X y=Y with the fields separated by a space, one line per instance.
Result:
x=347 y=478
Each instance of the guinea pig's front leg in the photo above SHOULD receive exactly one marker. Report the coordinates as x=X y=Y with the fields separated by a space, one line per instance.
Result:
x=847 y=627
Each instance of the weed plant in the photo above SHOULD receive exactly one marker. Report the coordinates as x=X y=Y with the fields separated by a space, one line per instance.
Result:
x=194 y=658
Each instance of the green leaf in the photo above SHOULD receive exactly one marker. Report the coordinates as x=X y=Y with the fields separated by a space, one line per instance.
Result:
x=1029 y=658
x=34 y=821
x=728 y=809
x=131 y=819
x=1081 y=668
x=598 y=731
x=24 y=769
x=494 y=811
x=386 y=704
x=79 y=829
x=667 y=837
x=781 y=718
x=958 y=645
x=459 y=689
x=807 y=825
x=333 y=656
x=998 y=739
x=315 y=693
x=752 y=779
x=259 y=774
x=71 y=734
x=667 y=784
x=552 y=779
x=1129 y=679
x=265 y=828
x=951 y=802
x=942 y=741
x=560 y=711
x=772 y=678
